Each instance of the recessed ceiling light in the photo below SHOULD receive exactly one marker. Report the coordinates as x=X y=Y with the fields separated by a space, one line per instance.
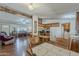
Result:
x=32 y=6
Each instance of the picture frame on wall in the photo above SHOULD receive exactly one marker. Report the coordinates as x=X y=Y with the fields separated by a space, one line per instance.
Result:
x=35 y=26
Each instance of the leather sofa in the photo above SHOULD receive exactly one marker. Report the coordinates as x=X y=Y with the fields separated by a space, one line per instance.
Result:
x=5 y=39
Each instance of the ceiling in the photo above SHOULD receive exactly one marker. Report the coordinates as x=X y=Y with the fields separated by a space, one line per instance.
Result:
x=45 y=9
x=14 y=19
x=42 y=10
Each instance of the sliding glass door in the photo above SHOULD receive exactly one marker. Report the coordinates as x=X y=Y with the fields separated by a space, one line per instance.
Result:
x=0 y=28
x=5 y=28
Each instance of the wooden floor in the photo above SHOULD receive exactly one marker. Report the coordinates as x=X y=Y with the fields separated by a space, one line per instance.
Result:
x=16 y=49
x=19 y=48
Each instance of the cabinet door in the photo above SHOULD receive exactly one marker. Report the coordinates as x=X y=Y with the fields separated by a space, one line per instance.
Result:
x=77 y=22
x=75 y=45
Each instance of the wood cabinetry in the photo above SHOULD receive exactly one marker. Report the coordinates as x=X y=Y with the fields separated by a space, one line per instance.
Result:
x=77 y=22
x=66 y=27
x=75 y=45
x=47 y=26
x=44 y=33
